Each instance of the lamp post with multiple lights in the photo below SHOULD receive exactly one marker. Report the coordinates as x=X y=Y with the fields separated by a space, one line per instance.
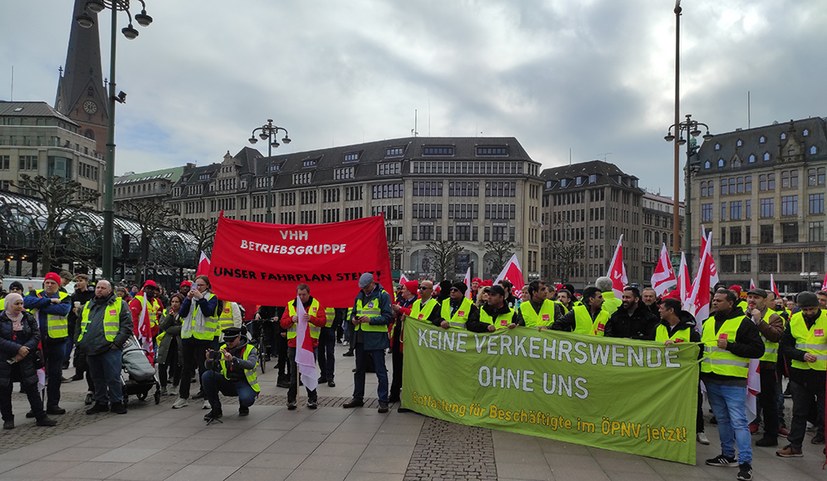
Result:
x=675 y=134
x=269 y=132
x=87 y=21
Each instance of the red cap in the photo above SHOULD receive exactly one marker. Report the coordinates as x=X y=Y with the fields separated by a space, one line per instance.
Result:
x=412 y=286
x=477 y=280
x=150 y=283
x=52 y=276
x=736 y=288
x=487 y=282
x=185 y=283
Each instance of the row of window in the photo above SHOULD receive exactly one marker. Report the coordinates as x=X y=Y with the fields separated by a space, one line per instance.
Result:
x=763 y=139
x=471 y=168
x=813 y=150
x=742 y=210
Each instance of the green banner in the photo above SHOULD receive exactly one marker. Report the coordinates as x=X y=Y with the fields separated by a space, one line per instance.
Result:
x=633 y=396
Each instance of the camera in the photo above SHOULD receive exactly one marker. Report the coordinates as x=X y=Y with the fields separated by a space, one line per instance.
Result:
x=214 y=355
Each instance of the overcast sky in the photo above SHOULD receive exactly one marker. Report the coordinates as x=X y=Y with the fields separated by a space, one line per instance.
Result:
x=594 y=78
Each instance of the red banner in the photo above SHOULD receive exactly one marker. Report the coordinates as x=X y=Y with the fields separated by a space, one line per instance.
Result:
x=261 y=263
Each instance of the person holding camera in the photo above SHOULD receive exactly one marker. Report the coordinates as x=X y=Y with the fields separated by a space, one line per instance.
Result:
x=231 y=371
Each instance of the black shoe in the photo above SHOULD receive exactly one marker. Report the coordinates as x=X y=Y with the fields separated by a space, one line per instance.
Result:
x=118 y=408
x=722 y=461
x=243 y=411
x=56 y=410
x=199 y=395
x=312 y=404
x=283 y=384
x=348 y=354
x=383 y=408
x=213 y=415
x=393 y=399
x=767 y=441
x=77 y=377
x=8 y=424
x=353 y=403
x=322 y=380
x=744 y=472
x=291 y=405
x=98 y=408
x=65 y=379
x=30 y=415
x=44 y=421
x=818 y=439
x=331 y=383
x=90 y=398
x=400 y=409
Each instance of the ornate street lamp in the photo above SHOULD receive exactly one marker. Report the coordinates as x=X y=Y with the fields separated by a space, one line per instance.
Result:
x=87 y=21
x=269 y=132
x=675 y=133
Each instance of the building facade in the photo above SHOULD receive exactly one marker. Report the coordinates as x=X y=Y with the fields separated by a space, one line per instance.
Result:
x=36 y=139
x=586 y=207
x=657 y=224
x=155 y=185
x=761 y=193
x=474 y=191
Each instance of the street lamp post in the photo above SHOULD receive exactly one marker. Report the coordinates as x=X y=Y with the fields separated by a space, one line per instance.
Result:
x=809 y=276
x=87 y=21
x=675 y=134
x=269 y=132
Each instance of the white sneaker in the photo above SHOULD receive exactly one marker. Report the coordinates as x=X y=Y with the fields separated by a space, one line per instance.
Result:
x=180 y=403
x=701 y=437
x=206 y=405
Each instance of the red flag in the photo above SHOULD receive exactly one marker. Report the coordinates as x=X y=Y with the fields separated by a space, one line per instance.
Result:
x=514 y=274
x=824 y=288
x=713 y=269
x=305 y=360
x=752 y=284
x=664 y=276
x=753 y=388
x=617 y=270
x=700 y=297
x=203 y=265
x=684 y=281
x=773 y=287
x=254 y=261
x=403 y=279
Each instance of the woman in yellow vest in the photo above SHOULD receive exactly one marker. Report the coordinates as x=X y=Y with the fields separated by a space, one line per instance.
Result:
x=200 y=320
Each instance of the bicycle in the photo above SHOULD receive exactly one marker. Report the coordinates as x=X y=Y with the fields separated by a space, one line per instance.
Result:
x=259 y=341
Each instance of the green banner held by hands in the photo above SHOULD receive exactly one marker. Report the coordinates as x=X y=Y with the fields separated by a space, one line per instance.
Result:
x=633 y=396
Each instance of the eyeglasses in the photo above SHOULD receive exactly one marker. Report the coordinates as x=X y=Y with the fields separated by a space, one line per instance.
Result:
x=454 y=289
x=423 y=288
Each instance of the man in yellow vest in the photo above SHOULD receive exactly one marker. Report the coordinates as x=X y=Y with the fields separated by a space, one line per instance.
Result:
x=611 y=302
x=771 y=327
x=804 y=343
x=730 y=340
x=327 y=346
x=105 y=325
x=676 y=326
x=457 y=309
x=539 y=310
x=51 y=307
x=372 y=313
x=587 y=318
x=232 y=371
x=316 y=319
x=426 y=308
x=494 y=315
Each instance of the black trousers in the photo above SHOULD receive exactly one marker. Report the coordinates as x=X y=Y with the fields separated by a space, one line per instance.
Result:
x=54 y=353
x=396 y=376
x=768 y=400
x=327 y=358
x=171 y=368
x=31 y=393
x=194 y=353
x=805 y=389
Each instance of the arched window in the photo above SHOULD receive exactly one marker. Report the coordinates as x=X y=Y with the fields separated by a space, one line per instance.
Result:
x=762 y=140
x=736 y=163
x=751 y=158
x=783 y=136
x=813 y=150
x=707 y=165
x=717 y=146
x=721 y=163
x=766 y=156
x=805 y=133
x=739 y=143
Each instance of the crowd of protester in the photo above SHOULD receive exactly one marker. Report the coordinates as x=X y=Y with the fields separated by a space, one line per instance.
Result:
x=194 y=337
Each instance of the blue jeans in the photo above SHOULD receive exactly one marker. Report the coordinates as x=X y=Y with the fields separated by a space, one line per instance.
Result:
x=378 y=358
x=729 y=407
x=105 y=369
x=213 y=382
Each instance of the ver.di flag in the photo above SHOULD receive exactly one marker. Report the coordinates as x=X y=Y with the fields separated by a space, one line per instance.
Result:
x=467 y=281
x=664 y=276
x=617 y=270
x=513 y=273
x=684 y=282
x=305 y=360
x=203 y=265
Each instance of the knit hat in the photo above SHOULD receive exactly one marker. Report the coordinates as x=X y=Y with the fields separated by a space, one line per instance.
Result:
x=460 y=286
x=736 y=288
x=52 y=276
x=150 y=283
x=185 y=283
x=411 y=286
x=16 y=285
x=365 y=280
x=806 y=299
x=498 y=289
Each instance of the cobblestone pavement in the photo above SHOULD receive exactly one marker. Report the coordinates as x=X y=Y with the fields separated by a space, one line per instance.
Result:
x=450 y=451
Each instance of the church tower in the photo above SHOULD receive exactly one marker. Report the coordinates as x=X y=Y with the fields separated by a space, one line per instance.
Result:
x=81 y=94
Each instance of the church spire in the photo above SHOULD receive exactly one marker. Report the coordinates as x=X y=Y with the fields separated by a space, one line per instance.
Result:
x=81 y=95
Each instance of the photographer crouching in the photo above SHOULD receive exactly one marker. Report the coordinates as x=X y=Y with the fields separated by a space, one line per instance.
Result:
x=231 y=371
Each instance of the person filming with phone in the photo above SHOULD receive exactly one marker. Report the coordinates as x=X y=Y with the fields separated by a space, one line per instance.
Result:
x=231 y=370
